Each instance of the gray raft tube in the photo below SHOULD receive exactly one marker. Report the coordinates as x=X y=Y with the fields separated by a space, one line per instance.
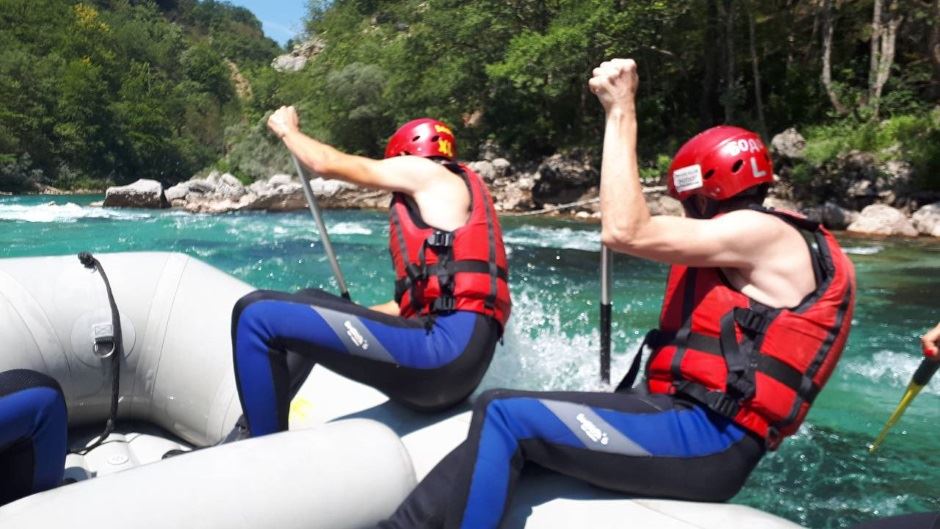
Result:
x=342 y=475
x=175 y=315
x=177 y=374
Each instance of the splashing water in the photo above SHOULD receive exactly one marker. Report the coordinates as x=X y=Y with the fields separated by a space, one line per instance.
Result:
x=822 y=477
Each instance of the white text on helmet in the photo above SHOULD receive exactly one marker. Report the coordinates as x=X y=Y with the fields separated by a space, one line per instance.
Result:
x=750 y=145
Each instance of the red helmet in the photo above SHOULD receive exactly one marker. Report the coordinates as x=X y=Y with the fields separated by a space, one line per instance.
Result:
x=423 y=137
x=718 y=164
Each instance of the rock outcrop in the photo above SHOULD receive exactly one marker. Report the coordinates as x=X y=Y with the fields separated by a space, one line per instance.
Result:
x=140 y=194
x=562 y=179
x=298 y=57
x=831 y=215
x=879 y=219
x=927 y=220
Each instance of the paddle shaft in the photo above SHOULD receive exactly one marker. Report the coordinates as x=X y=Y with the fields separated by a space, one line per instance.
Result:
x=606 y=265
x=321 y=227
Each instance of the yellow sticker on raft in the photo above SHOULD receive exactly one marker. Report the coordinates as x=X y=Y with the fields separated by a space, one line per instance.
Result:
x=300 y=410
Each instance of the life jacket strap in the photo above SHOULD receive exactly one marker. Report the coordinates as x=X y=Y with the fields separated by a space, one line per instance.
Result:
x=717 y=401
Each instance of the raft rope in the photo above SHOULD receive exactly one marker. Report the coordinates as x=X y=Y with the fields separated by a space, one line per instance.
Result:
x=116 y=353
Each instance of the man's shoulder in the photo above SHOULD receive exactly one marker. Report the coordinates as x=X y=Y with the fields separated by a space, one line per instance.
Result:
x=749 y=220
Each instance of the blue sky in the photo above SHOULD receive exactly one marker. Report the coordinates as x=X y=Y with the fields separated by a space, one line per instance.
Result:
x=280 y=19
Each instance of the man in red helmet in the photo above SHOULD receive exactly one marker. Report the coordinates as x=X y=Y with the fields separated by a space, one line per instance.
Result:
x=756 y=312
x=427 y=349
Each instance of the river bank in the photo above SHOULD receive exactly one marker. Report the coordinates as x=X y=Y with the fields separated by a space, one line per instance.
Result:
x=859 y=192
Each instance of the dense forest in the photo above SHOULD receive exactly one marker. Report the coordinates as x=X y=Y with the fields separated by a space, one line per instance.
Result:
x=115 y=90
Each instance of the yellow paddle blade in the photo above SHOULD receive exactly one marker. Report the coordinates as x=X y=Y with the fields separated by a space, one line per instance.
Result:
x=912 y=390
x=300 y=410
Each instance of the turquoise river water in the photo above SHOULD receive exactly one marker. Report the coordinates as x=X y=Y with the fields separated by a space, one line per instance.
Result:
x=822 y=477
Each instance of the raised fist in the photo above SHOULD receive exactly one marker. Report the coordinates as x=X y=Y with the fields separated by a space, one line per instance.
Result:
x=284 y=120
x=614 y=83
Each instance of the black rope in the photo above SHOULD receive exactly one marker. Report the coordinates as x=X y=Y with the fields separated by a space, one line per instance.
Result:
x=117 y=351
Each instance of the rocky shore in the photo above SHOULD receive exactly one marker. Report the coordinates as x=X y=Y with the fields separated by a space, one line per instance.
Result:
x=867 y=198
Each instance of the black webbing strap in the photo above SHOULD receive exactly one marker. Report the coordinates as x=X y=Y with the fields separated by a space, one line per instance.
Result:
x=443 y=244
x=717 y=401
x=490 y=302
x=470 y=266
x=654 y=339
x=116 y=353
x=413 y=273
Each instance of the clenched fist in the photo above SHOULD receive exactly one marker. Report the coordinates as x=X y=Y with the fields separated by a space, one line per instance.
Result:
x=284 y=120
x=614 y=83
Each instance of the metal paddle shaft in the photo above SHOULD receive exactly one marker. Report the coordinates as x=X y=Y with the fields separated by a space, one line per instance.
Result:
x=324 y=236
x=606 y=264
x=925 y=371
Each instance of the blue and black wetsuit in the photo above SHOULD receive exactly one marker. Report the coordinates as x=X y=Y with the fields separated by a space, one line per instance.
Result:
x=452 y=289
x=427 y=364
x=641 y=445
x=33 y=434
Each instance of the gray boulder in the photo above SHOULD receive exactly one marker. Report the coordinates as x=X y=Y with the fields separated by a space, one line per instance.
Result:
x=229 y=188
x=485 y=169
x=298 y=57
x=563 y=179
x=789 y=144
x=502 y=167
x=140 y=194
x=280 y=180
x=831 y=215
x=927 y=220
x=177 y=192
x=879 y=219
x=663 y=204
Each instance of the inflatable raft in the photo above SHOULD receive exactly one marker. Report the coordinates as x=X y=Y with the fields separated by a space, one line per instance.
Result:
x=350 y=458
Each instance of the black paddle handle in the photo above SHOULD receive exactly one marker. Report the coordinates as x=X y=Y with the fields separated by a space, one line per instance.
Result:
x=926 y=370
x=605 y=342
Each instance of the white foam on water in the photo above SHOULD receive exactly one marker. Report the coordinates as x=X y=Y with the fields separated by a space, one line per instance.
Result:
x=561 y=238
x=538 y=353
x=892 y=368
x=862 y=250
x=349 y=228
x=69 y=212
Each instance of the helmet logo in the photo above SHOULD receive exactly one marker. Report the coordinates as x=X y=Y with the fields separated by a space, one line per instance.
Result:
x=756 y=170
x=442 y=129
x=749 y=145
x=446 y=147
x=687 y=178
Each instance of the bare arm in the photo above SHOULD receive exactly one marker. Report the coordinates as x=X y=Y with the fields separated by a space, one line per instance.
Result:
x=441 y=196
x=734 y=240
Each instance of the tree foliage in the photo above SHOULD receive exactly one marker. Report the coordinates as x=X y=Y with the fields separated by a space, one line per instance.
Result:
x=515 y=71
x=124 y=89
x=116 y=90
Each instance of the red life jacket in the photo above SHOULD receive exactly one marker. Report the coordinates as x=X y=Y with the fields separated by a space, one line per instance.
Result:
x=760 y=366
x=441 y=271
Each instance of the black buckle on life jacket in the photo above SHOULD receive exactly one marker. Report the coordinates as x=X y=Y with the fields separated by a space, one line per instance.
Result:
x=444 y=304
x=415 y=272
x=741 y=385
x=440 y=239
x=720 y=403
x=751 y=321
